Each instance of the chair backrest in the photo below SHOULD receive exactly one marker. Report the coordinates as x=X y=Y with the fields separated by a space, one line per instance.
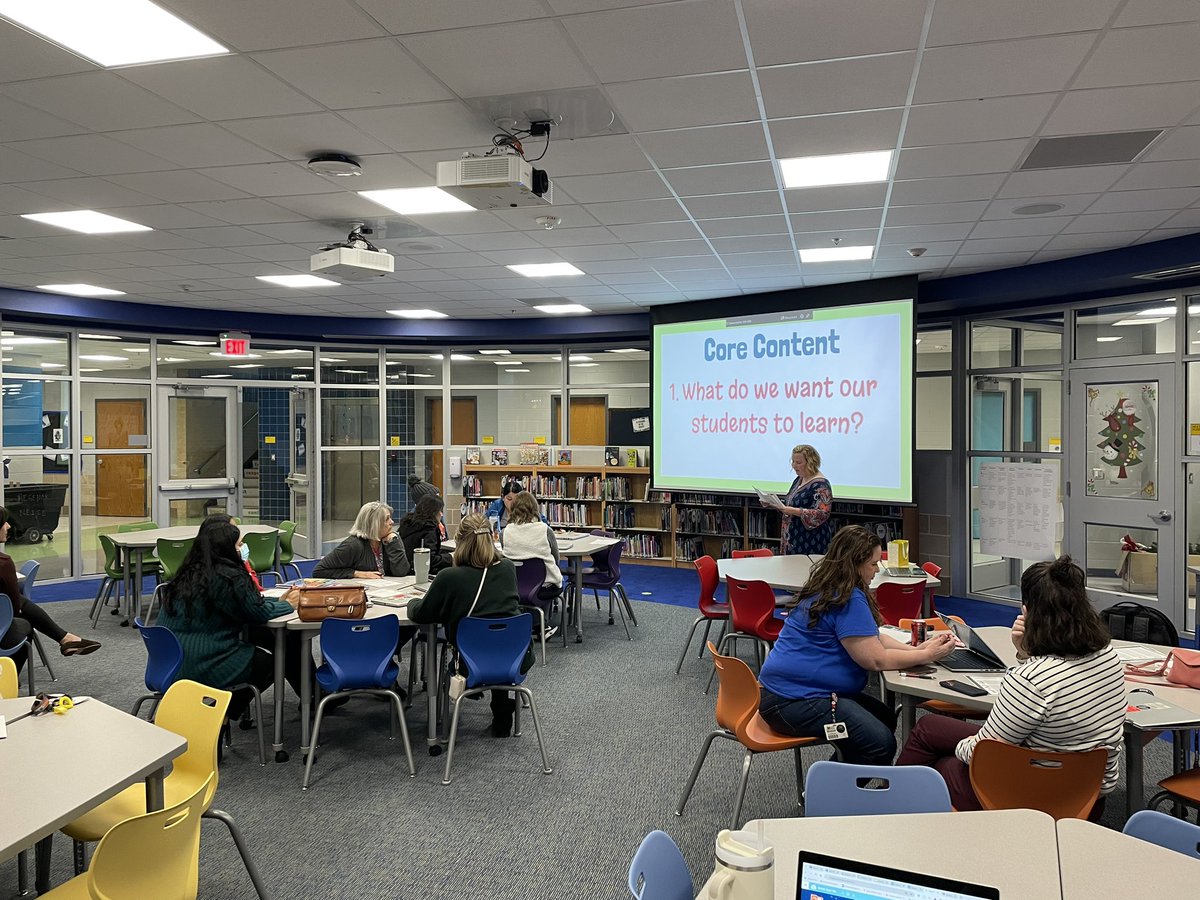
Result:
x=607 y=564
x=531 y=575
x=932 y=569
x=494 y=649
x=737 y=691
x=6 y=619
x=29 y=569
x=934 y=623
x=164 y=655
x=111 y=566
x=358 y=652
x=1166 y=831
x=287 y=530
x=659 y=871
x=171 y=555
x=1062 y=785
x=898 y=601
x=760 y=552
x=841 y=789
x=706 y=567
x=136 y=526
x=262 y=549
x=170 y=837
x=750 y=603
x=196 y=712
x=9 y=686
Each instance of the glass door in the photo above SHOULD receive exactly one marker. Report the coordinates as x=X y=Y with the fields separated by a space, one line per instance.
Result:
x=300 y=414
x=199 y=460
x=1124 y=422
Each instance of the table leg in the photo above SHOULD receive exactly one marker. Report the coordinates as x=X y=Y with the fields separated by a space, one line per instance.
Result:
x=155 y=798
x=280 y=645
x=127 y=573
x=1135 y=789
x=137 y=591
x=927 y=602
x=42 y=854
x=433 y=687
x=306 y=638
x=578 y=561
x=908 y=715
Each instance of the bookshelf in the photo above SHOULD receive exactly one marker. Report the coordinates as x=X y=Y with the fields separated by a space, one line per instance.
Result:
x=668 y=528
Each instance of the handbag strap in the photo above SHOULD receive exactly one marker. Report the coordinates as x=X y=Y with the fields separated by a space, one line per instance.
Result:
x=478 y=591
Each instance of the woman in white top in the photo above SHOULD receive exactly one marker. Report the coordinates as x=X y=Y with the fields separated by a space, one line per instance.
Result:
x=1066 y=694
x=526 y=536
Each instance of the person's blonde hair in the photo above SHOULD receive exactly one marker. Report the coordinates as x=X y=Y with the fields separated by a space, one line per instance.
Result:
x=812 y=459
x=524 y=509
x=474 y=546
x=369 y=521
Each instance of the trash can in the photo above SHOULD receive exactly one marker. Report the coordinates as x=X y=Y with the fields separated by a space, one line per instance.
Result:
x=34 y=510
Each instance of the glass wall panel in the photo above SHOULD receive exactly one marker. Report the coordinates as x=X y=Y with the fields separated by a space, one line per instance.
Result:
x=1123 y=446
x=114 y=490
x=349 y=366
x=114 y=416
x=426 y=464
x=624 y=366
x=934 y=413
x=1041 y=413
x=1129 y=329
x=517 y=368
x=1192 y=562
x=351 y=478
x=1041 y=348
x=991 y=347
x=34 y=352
x=1105 y=565
x=1192 y=425
x=419 y=369
x=198 y=444
x=37 y=413
x=508 y=417
x=194 y=511
x=349 y=418
x=201 y=358
x=37 y=496
x=107 y=357
x=934 y=350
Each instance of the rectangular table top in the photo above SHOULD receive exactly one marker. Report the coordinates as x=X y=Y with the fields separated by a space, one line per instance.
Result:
x=789 y=573
x=1098 y=862
x=385 y=596
x=58 y=767
x=151 y=536
x=570 y=544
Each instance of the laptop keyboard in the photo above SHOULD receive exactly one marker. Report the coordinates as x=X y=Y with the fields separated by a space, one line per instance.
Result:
x=961 y=659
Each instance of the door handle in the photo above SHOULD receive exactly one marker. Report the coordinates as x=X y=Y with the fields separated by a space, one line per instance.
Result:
x=1163 y=515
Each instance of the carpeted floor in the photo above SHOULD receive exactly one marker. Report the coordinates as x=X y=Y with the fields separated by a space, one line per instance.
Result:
x=622 y=732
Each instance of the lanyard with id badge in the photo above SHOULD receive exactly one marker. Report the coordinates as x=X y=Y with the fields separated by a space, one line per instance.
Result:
x=835 y=730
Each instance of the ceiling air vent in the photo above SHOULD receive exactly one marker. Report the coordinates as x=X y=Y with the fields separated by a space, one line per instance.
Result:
x=1174 y=272
x=1088 y=150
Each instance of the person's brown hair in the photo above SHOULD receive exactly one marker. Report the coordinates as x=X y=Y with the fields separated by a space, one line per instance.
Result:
x=524 y=509
x=834 y=577
x=474 y=545
x=1059 y=618
x=812 y=459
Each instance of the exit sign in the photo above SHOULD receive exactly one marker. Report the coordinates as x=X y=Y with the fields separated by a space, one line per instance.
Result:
x=234 y=343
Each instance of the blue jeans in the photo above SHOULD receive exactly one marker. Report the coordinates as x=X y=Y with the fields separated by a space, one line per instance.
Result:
x=871 y=724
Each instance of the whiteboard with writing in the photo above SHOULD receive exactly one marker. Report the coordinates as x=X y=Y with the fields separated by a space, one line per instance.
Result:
x=1018 y=510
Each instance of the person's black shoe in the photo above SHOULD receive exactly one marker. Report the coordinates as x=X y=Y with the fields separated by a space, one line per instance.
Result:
x=501 y=727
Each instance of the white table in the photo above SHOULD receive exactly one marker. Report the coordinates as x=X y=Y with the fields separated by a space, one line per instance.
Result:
x=976 y=847
x=790 y=573
x=58 y=767
x=574 y=546
x=1099 y=862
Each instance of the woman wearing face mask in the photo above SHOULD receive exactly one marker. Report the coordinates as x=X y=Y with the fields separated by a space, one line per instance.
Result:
x=210 y=602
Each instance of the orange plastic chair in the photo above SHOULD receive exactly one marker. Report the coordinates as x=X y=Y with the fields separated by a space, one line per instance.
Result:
x=898 y=601
x=1062 y=785
x=751 y=616
x=760 y=552
x=710 y=609
x=738 y=720
x=944 y=707
x=1182 y=788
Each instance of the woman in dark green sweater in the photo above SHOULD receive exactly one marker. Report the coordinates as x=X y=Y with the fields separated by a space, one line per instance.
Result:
x=209 y=603
x=479 y=570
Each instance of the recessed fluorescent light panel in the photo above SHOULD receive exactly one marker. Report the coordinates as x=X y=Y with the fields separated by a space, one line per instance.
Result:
x=81 y=290
x=297 y=281
x=417 y=313
x=626 y=350
x=495 y=352
x=1135 y=321
x=112 y=33
x=1108 y=340
x=835 y=254
x=545 y=270
x=101 y=337
x=417 y=201
x=516 y=370
x=839 y=168
x=562 y=309
x=86 y=221
x=507 y=362
x=101 y=357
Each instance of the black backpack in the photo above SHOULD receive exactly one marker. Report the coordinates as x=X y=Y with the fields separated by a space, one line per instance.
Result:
x=1131 y=621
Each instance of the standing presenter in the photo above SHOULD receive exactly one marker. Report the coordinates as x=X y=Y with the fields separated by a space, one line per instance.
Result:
x=806 y=525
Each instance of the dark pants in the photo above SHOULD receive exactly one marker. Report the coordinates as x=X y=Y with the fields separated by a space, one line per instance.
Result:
x=261 y=672
x=872 y=725
x=41 y=621
x=18 y=631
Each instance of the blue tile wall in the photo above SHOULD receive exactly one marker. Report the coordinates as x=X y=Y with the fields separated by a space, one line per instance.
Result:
x=274 y=460
x=401 y=423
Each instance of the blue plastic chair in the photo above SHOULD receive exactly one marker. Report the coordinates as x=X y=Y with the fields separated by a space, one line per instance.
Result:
x=838 y=789
x=606 y=576
x=6 y=620
x=531 y=575
x=164 y=659
x=658 y=870
x=1166 y=831
x=30 y=569
x=360 y=658
x=493 y=650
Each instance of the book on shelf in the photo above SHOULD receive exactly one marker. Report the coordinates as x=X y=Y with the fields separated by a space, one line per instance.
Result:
x=631 y=457
x=534 y=454
x=500 y=457
x=564 y=457
x=473 y=456
x=612 y=456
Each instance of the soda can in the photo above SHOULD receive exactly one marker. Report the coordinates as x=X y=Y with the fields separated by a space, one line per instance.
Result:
x=918 y=629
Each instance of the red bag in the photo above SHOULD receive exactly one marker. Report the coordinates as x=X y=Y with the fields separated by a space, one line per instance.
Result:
x=1181 y=667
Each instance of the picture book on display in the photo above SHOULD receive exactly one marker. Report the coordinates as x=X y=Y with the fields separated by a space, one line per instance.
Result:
x=500 y=456
x=473 y=456
x=564 y=457
x=631 y=457
x=612 y=456
x=534 y=455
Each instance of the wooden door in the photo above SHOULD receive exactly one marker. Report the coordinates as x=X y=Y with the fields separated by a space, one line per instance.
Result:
x=589 y=421
x=463 y=431
x=120 y=480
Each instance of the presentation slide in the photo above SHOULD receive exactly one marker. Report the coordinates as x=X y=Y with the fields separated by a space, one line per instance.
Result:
x=733 y=396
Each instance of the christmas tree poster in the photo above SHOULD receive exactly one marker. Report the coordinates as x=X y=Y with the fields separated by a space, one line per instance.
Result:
x=1120 y=447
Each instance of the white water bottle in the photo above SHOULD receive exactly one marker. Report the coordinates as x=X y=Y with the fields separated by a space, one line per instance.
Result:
x=421 y=564
x=745 y=867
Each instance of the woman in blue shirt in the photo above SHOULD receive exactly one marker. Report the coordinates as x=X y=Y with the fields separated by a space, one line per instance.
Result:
x=817 y=672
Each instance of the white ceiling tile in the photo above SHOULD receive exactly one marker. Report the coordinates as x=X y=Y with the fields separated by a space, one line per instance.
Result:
x=787 y=32
x=333 y=74
x=93 y=154
x=318 y=233
x=1072 y=204
x=960 y=159
x=1082 y=180
x=848 y=133
x=744 y=225
x=24 y=55
x=890 y=249
x=786 y=257
x=1129 y=201
x=428 y=126
x=1144 y=56
x=178 y=187
x=873 y=82
x=985 y=119
x=946 y=190
x=267 y=24
x=1188 y=218
x=524 y=219
x=843 y=218
x=921 y=235
x=1154 y=12
x=592 y=252
x=1180 y=174
x=633 y=212
x=623 y=186
x=706 y=146
x=1004 y=68
x=848 y=236
x=725 y=179
x=102 y=101
x=1122 y=109
x=991 y=260
x=16 y=166
x=300 y=137
x=243 y=212
x=386 y=170
x=408 y=16
x=936 y=213
x=1089 y=243
x=92 y=193
x=1181 y=143
x=964 y=21
x=722 y=206
x=1028 y=243
x=277 y=252
x=191 y=146
x=1118 y=221
x=662 y=231
x=501 y=59
x=589 y=156
x=752 y=244
x=337 y=205
x=1023 y=225
x=658 y=41
x=223 y=87
x=685 y=102
x=272 y=179
x=512 y=240
x=850 y=196
x=477 y=222
x=570 y=237
x=19 y=122
x=663 y=249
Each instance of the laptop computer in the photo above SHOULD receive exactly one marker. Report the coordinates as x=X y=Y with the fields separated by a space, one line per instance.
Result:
x=975 y=655
x=824 y=877
x=903 y=571
x=1145 y=711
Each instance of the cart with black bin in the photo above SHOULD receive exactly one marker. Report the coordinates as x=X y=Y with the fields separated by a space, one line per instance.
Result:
x=34 y=510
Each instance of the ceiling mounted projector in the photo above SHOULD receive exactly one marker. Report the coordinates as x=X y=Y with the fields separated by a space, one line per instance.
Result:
x=355 y=259
x=495 y=181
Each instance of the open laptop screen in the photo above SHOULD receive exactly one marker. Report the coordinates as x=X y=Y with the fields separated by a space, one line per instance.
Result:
x=832 y=878
x=972 y=641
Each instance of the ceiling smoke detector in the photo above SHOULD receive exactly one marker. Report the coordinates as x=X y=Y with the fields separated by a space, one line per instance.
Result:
x=1037 y=209
x=335 y=164
x=548 y=222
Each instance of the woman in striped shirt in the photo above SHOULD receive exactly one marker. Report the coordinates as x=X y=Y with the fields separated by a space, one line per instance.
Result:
x=1066 y=694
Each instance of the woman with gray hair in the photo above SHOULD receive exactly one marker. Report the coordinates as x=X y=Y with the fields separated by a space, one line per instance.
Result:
x=372 y=549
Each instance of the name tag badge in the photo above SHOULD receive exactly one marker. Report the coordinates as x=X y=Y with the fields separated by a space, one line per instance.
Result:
x=836 y=731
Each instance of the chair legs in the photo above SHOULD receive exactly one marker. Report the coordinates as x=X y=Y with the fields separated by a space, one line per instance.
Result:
x=537 y=725
x=236 y=834
x=704 y=748
x=741 y=793
x=258 y=720
x=541 y=614
x=137 y=707
x=688 y=642
x=107 y=586
x=397 y=716
x=295 y=568
x=41 y=652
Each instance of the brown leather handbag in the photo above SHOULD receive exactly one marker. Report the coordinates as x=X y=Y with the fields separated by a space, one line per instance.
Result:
x=314 y=603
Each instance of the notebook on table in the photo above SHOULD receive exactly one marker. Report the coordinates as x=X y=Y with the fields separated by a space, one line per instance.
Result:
x=975 y=655
x=824 y=877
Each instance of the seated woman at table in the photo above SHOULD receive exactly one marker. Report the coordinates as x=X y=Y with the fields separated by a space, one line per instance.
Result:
x=210 y=602
x=482 y=584
x=422 y=528
x=501 y=508
x=806 y=525
x=371 y=550
x=27 y=615
x=527 y=537
x=1066 y=694
x=817 y=672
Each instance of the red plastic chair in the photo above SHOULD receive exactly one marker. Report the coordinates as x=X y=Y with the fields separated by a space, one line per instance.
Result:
x=933 y=570
x=898 y=601
x=710 y=608
x=751 y=617
x=760 y=552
